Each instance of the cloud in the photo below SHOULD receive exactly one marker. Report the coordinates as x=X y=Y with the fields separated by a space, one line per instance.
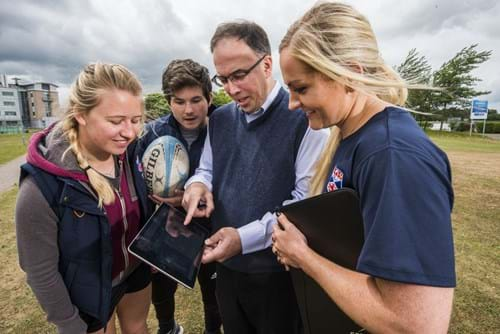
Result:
x=438 y=30
x=55 y=41
x=52 y=40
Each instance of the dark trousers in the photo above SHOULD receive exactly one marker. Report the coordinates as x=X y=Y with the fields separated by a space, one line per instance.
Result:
x=163 y=298
x=262 y=303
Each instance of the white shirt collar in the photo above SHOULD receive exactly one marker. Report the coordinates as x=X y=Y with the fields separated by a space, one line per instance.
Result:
x=269 y=99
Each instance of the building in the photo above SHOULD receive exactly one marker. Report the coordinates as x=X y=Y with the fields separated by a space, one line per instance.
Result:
x=36 y=104
x=10 y=105
x=40 y=104
x=436 y=126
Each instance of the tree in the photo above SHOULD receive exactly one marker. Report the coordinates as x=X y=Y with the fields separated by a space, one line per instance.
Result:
x=458 y=82
x=220 y=98
x=156 y=106
x=454 y=78
x=493 y=114
x=415 y=70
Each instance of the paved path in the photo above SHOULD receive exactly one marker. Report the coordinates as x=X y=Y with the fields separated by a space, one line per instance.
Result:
x=493 y=135
x=9 y=173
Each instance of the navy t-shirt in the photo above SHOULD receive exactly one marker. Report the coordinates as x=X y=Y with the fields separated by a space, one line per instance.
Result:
x=404 y=184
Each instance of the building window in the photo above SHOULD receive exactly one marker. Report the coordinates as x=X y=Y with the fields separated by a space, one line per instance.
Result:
x=8 y=93
x=12 y=123
x=9 y=103
x=31 y=94
x=48 y=112
x=10 y=113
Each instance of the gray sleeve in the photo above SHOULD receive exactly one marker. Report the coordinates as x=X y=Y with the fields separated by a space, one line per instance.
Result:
x=36 y=229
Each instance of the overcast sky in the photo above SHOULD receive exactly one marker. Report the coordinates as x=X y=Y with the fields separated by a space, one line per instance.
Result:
x=52 y=40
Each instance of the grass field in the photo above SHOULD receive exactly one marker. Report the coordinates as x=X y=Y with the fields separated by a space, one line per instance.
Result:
x=13 y=145
x=476 y=224
x=460 y=141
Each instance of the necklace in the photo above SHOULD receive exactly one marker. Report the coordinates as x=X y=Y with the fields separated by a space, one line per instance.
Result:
x=109 y=173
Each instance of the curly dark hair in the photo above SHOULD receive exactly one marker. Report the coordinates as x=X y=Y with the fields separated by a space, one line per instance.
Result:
x=181 y=73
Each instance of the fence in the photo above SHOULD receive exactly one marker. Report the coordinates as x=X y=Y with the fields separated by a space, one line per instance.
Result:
x=11 y=129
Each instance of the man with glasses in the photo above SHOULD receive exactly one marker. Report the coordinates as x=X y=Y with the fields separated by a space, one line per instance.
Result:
x=257 y=155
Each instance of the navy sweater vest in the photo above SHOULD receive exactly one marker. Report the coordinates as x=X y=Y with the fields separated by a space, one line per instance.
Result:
x=253 y=170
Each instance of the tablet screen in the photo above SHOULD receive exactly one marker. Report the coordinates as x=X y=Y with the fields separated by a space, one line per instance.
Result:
x=169 y=246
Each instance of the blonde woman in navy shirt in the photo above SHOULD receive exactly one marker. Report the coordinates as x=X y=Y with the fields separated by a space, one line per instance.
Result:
x=405 y=274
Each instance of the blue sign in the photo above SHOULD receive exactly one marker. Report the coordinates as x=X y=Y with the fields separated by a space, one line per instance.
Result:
x=479 y=109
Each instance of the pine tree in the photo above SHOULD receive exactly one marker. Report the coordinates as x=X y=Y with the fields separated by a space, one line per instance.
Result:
x=156 y=106
x=454 y=77
x=458 y=82
x=220 y=98
x=416 y=70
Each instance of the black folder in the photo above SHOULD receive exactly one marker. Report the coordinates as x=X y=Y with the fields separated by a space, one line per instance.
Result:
x=333 y=226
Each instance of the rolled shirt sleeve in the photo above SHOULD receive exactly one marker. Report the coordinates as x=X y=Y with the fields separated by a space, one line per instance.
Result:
x=203 y=173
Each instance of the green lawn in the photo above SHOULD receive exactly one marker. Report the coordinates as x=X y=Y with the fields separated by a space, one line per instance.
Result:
x=460 y=141
x=476 y=224
x=13 y=146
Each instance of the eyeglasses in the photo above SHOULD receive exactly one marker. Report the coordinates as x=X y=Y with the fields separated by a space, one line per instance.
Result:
x=237 y=76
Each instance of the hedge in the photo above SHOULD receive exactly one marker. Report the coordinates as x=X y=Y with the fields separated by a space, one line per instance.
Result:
x=491 y=126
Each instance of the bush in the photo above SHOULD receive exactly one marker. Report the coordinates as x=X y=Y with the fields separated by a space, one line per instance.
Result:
x=491 y=126
x=460 y=126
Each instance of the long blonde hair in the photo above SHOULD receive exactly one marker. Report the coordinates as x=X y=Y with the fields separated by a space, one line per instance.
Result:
x=335 y=40
x=85 y=94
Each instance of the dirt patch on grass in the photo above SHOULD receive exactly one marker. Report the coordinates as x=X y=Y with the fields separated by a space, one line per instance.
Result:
x=476 y=226
x=475 y=163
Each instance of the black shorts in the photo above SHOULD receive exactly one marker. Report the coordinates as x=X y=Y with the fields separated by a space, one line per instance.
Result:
x=137 y=281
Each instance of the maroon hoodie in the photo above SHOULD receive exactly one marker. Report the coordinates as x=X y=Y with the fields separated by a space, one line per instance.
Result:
x=46 y=150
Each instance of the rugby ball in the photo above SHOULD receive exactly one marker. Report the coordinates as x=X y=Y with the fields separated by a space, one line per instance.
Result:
x=165 y=166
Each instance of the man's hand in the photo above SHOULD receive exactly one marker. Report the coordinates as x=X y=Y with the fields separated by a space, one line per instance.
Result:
x=224 y=244
x=197 y=201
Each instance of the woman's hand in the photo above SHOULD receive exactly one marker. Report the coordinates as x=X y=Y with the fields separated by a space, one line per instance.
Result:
x=175 y=201
x=289 y=244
